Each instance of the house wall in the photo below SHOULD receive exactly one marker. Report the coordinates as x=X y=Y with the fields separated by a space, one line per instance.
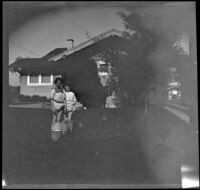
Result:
x=34 y=90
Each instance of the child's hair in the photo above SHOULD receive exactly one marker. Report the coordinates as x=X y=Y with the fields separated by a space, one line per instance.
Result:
x=58 y=79
x=66 y=85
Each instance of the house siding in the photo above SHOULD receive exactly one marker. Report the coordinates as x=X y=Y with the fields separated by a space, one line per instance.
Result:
x=34 y=90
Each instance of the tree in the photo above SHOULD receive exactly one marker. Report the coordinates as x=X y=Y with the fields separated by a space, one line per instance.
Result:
x=152 y=32
x=83 y=80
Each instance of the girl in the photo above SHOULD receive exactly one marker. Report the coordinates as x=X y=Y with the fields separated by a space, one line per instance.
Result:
x=57 y=97
x=70 y=103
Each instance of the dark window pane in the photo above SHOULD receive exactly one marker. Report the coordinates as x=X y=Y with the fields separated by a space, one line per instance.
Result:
x=45 y=79
x=34 y=79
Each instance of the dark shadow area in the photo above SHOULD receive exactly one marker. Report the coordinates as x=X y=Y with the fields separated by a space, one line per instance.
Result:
x=109 y=146
x=101 y=150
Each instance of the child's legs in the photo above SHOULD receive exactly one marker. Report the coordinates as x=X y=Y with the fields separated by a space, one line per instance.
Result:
x=54 y=116
x=59 y=115
x=55 y=135
x=70 y=115
x=70 y=120
x=65 y=116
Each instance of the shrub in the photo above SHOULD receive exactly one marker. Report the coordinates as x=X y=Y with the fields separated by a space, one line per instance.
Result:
x=35 y=98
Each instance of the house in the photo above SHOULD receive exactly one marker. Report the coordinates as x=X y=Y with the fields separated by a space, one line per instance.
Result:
x=37 y=74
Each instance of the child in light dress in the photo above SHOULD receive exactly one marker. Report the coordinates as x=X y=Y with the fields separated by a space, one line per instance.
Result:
x=70 y=105
x=57 y=97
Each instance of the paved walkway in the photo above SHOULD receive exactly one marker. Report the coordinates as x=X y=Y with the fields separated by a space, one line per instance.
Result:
x=178 y=113
x=177 y=106
x=177 y=110
x=30 y=105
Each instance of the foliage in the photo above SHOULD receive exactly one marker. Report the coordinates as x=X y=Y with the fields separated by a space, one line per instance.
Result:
x=154 y=32
x=82 y=78
x=35 y=98
x=142 y=63
x=14 y=92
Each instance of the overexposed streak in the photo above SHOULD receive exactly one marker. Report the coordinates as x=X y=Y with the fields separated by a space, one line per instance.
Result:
x=189 y=179
x=3 y=183
x=186 y=169
x=190 y=182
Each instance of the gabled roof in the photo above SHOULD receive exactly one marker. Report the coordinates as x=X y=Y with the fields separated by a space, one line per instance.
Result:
x=54 y=52
x=58 y=53
x=89 y=42
x=29 y=62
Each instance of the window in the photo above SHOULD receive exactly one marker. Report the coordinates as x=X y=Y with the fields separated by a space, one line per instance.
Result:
x=45 y=79
x=39 y=80
x=34 y=79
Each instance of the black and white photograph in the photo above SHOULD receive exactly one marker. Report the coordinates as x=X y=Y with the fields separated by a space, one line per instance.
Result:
x=100 y=94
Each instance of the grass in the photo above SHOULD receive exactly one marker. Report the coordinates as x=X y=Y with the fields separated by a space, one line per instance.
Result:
x=107 y=146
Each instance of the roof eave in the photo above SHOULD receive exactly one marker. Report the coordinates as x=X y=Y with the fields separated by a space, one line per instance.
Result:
x=91 y=41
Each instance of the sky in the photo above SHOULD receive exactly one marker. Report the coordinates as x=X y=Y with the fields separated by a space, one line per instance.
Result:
x=43 y=33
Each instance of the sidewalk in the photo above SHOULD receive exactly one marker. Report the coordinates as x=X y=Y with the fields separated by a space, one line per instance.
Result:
x=183 y=116
x=31 y=105
x=177 y=106
x=177 y=110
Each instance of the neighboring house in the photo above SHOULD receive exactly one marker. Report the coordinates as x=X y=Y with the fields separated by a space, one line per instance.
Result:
x=37 y=74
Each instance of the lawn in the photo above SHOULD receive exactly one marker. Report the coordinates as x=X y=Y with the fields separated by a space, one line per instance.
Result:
x=117 y=146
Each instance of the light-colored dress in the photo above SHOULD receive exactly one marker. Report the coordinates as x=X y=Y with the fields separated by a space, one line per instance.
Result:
x=70 y=101
x=58 y=97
